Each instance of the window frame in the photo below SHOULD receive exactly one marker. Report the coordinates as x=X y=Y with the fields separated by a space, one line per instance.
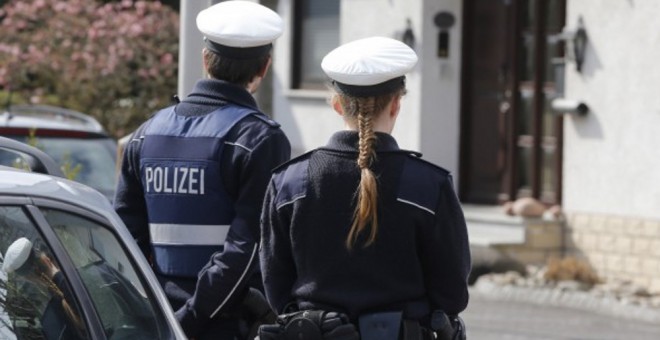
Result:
x=83 y=300
x=297 y=75
x=92 y=320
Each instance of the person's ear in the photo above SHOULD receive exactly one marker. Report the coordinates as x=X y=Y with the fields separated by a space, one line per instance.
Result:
x=205 y=61
x=395 y=107
x=336 y=105
x=264 y=70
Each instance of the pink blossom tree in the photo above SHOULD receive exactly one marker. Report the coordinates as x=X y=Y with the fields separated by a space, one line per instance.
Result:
x=116 y=61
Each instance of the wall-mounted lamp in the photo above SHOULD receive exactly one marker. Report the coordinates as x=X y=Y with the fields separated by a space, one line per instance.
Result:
x=577 y=40
x=563 y=105
x=444 y=21
x=408 y=37
x=580 y=44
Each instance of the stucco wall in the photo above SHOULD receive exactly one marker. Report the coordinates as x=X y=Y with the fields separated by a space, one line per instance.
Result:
x=190 y=47
x=429 y=115
x=364 y=18
x=306 y=117
x=441 y=83
x=612 y=156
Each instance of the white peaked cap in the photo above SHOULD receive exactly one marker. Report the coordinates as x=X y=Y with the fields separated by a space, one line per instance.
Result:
x=240 y=24
x=17 y=253
x=369 y=61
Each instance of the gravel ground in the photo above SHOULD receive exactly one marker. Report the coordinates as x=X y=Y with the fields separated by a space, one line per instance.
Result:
x=614 y=298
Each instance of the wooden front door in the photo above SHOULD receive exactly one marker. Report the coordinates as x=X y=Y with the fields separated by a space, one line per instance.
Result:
x=511 y=139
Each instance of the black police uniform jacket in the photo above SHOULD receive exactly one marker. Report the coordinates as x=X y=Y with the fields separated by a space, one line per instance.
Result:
x=190 y=190
x=419 y=261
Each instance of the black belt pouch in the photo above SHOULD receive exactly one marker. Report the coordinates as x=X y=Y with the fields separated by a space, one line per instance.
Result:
x=380 y=326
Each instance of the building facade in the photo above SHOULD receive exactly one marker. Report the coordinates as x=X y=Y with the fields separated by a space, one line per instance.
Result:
x=480 y=104
x=611 y=192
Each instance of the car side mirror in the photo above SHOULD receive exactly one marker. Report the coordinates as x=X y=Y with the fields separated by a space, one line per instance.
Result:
x=37 y=160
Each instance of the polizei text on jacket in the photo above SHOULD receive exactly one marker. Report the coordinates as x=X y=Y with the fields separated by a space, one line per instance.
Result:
x=174 y=180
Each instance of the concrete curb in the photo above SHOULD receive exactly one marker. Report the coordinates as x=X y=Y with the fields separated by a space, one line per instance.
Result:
x=571 y=299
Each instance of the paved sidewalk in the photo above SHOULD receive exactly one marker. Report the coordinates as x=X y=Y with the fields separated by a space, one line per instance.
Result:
x=527 y=316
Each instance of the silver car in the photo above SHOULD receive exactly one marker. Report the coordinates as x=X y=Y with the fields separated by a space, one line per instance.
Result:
x=70 y=268
x=74 y=140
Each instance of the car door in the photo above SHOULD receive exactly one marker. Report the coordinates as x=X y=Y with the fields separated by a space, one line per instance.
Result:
x=97 y=291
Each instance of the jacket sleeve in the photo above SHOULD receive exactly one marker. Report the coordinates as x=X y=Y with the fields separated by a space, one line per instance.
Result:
x=222 y=282
x=277 y=264
x=129 y=200
x=446 y=254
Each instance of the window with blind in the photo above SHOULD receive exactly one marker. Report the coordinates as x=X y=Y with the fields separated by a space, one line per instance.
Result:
x=316 y=32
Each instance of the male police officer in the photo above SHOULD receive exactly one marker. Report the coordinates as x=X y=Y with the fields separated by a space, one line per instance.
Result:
x=193 y=176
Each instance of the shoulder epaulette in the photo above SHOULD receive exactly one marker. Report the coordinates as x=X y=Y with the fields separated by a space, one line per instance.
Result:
x=418 y=157
x=266 y=119
x=294 y=160
x=411 y=153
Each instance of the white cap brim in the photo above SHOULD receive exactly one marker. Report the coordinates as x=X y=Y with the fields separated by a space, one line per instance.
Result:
x=369 y=61
x=240 y=24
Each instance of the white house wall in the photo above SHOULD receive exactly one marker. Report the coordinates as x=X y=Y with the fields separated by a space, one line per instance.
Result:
x=364 y=18
x=190 y=47
x=429 y=119
x=612 y=156
x=441 y=82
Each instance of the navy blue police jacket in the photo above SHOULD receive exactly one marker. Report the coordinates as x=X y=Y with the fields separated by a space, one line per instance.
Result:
x=190 y=192
x=420 y=259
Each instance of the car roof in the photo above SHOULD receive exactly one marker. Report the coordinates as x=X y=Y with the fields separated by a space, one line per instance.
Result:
x=48 y=117
x=18 y=182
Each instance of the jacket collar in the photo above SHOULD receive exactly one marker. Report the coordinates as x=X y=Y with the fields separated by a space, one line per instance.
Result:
x=347 y=141
x=213 y=90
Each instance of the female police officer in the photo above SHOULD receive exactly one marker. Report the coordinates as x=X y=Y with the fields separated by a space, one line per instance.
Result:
x=360 y=226
x=60 y=318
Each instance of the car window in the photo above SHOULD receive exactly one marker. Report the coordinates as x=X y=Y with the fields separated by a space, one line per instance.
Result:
x=110 y=278
x=91 y=161
x=36 y=301
x=94 y=159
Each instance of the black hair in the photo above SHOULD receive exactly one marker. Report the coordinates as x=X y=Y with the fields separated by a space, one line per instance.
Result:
x=236 y=71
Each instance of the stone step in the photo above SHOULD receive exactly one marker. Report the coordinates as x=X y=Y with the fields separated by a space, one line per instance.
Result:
x=489 y=225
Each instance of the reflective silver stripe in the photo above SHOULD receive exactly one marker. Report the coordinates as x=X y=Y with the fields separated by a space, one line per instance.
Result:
x=291 y=201
x=239 y=145
x=247 y=267
x=415 y=205
x=188 y=234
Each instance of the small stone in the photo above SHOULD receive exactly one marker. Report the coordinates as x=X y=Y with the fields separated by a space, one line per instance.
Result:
x=570 y=285
x=508 y=208
x=613 y=290
x=528 y=207
x=553 y=213
x=655 y=302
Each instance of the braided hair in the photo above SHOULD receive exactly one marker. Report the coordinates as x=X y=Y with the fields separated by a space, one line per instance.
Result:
x=364 y=111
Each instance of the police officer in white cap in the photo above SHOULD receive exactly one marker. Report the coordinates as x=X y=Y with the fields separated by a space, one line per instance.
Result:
x=360 y=226
x=16 y=255
x=193 y=176
x=59 y=320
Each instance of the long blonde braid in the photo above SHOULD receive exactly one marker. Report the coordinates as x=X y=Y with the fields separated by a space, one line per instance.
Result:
x=363 y=110
x=366 y=210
